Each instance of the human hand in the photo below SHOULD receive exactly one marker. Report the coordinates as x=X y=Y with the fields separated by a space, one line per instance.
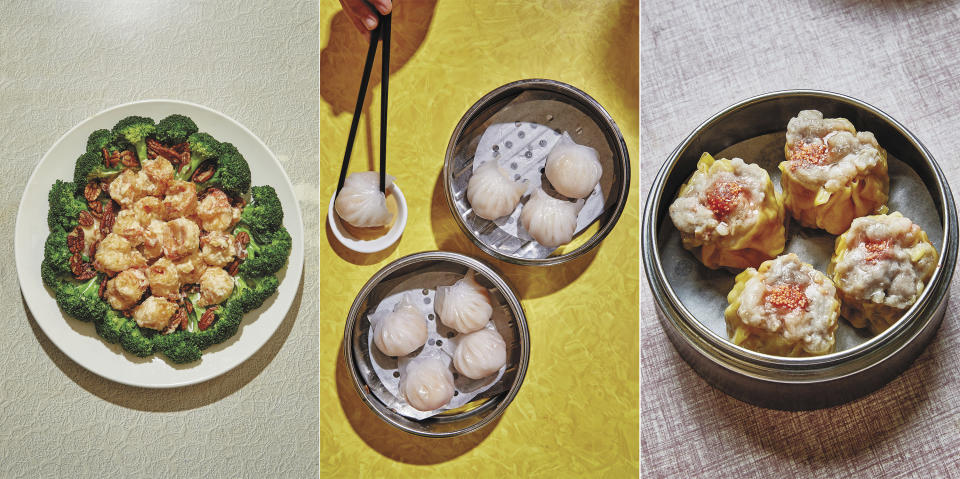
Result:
x=362 y=16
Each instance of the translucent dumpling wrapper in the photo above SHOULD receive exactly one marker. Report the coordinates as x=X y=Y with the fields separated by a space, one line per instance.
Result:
x=360 y=201
x=464 y=306
x=401 y=331
x=492 y=193
x=729 y=214
x=427 y=383
x=832 y=173
x=573 y=170
x=550 y=221
x=480 y=354
x=881 y=265
x=784 y=308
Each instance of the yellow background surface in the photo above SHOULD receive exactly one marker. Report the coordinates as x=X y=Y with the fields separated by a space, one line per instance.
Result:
x=577 y=412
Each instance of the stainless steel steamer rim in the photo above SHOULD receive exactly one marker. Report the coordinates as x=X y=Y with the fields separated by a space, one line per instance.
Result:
x=597 y=113
x=494 y=407
x=798 y=383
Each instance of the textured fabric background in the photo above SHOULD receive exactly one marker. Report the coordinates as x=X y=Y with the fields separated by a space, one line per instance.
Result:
x=577 y=412
x=62 y=61
x=698 y=58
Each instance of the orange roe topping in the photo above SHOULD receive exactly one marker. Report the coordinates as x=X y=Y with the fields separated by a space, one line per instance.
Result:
x=786 y=296
x=875 y=248
x=722 y=198
x=809 y=154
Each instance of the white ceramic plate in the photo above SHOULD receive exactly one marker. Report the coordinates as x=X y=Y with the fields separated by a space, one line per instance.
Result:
x=78 y=339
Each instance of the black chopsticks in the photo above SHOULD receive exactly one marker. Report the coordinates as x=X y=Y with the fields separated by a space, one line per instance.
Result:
x=382 y=32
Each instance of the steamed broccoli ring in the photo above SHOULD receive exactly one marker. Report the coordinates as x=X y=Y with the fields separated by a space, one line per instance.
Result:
x=99 y=253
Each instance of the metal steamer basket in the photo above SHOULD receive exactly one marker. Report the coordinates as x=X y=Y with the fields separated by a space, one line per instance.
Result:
x=862 y=362
x=423 y=272
x=548 y=107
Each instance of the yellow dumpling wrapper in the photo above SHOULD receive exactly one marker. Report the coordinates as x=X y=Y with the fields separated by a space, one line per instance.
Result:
x=833 y=211
x=772 y=342
x=865 y=312
x=743 y=247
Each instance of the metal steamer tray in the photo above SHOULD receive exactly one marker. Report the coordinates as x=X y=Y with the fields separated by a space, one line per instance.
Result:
x=419 y=274
x=516 y=125
x=690 y=297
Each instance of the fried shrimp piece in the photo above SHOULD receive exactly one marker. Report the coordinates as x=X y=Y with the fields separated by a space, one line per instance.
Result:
x=215 y=286
x=116 y=254
x=164 y=278
x=125 y=189
x=155 y=176
x=183 y=240
x=153 y=236
x=126 y=225
x=181 y=199
x=147 y=209
x=218 y=248
x=215 y=211
x=126 y=288
x=191 y=268
x=155 y=313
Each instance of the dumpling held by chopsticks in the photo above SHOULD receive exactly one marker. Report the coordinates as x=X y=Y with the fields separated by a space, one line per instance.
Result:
x=361 y=203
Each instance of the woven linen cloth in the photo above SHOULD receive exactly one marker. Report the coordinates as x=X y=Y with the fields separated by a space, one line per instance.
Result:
x=697 y=58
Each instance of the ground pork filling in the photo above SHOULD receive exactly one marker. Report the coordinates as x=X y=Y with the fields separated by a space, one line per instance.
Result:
x=153 y=251
x=886 y=261
x=720 y=203
x=791 y=299
x=828 y=152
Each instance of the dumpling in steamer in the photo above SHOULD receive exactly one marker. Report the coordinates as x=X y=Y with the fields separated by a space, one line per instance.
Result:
x=480 y=354
x=550 y=221
x=573 y=170
x=881 y=265
x=492 y=193
x=464 y=306
x=361 y=203
x=401 y=331
x=427 y=383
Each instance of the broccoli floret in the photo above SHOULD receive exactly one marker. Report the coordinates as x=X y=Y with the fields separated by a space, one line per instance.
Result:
x=229 y=315
x=179 y=346
x=111 y=326
x=267 y=253
x=90 y=167
x=264 y=213
x=175 y=129
x=233 y=172
x=56 y=258
x=202 y=148
x=65 y=207
x=103 y=138
x=81 y=300
x=249 y=293
x=136 y=129
x=136 y=341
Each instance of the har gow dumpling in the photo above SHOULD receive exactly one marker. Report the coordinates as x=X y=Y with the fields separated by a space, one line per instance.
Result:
x=480 y=354
x=401 y=331
x=573 y=169
x=360 y=201
x=427 y=383
x=492 y=193
x=550 y=221
x=464 y=306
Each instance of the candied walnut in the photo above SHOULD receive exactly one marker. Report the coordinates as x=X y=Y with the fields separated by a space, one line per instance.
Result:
x=204 y=172
x=179 y=321
x=207 y=319
x=85 y=219
x=96 y=208
x=234 y=267
x=126 y=289
x=75 y=240
x=103 y=288
x=81 y=269
x=92 y=191
x=155 y=313
x=129 y=159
